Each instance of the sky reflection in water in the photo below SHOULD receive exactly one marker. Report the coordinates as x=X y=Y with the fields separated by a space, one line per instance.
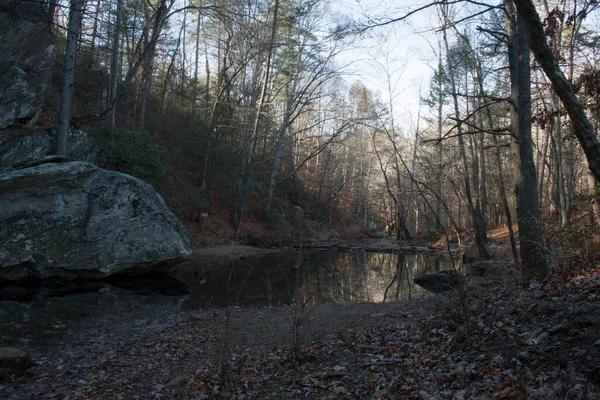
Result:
x=318 y=277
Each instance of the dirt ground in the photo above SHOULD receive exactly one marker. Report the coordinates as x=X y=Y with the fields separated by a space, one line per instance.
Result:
x=519 y=341
x=112 y=344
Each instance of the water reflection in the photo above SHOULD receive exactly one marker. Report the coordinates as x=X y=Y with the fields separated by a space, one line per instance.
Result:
x=315 y=277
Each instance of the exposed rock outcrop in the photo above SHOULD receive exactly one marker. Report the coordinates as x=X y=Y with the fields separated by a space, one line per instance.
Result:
x=76 y=220
x=20 y=147
x=27 y=50
x=441 y=281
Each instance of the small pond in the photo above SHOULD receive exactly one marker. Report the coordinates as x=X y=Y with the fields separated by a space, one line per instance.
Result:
x=311 y=278
x=278 y=279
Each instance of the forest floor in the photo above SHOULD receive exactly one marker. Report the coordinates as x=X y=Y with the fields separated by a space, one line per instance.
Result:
x=521 y=341
x=228 y=252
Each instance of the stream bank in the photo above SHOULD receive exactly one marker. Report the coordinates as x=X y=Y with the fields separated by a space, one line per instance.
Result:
x=538 y=341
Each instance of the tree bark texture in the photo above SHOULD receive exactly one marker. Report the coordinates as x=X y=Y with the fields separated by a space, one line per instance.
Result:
x=64 y=115
x=528 y=207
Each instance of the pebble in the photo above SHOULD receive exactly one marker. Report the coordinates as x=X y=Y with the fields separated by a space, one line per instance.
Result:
x=497 y=361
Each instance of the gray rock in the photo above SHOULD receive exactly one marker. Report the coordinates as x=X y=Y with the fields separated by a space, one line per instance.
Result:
x=76 y=220
x=297 y=218
x=20 y=146
x=81 y=147
x=441 y=281
x=13 y=361
x=25 y=147
x=333 y=235
x=27 y=49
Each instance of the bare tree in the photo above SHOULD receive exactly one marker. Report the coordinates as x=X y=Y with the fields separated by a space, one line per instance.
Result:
x=474 y=209
x=582 y=127
x=114 y=65
x=159 y=19
x=68 y=76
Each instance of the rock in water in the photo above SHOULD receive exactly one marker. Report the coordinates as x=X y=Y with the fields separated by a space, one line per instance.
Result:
x=13 y=361
x=27 y=49
x=76 y=220
x=441 y=281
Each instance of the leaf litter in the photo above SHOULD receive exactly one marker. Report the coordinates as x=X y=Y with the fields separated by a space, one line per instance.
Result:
x=520 y=342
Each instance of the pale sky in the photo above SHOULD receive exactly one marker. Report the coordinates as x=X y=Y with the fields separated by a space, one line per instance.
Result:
x=403 y=48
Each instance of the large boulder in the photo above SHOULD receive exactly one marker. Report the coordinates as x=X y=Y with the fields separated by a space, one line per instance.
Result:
x=441 y=281
x=76 y=220
x=20 y=147
x=27 y=49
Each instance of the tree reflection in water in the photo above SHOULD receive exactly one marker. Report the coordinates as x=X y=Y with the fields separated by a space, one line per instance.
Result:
x=320 y=277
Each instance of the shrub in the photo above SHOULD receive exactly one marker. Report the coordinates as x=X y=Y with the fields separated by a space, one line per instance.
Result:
x=135 y=153
x=274 y=219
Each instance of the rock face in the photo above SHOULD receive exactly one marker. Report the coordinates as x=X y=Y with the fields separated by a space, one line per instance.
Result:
x=441 y=281
x=79 y=221
x=27 y=50
x=19 y=147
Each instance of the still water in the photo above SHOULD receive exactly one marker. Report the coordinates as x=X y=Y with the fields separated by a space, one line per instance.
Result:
x=312 y=278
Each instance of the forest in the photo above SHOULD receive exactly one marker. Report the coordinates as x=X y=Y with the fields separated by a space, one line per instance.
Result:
x=291 y=124
x=246 y=110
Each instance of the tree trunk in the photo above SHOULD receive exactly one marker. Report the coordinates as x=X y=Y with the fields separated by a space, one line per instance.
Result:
x=114 y=67
x=250 y=143
x=207 y=69
x=94 y=30
x=64 y=115
x=278 y=149
x=183 y=56
x=440 y=126
x=480 y=234
x=528 y=211
x=502 y=190
x=168 y=74
x=501 y=185
x=557 y=150
x=159 y=20
x=196 y=61
x=582 y=127
x=593 y=184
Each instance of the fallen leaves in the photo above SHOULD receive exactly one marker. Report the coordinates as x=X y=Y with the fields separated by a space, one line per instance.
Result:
x=538 y=342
